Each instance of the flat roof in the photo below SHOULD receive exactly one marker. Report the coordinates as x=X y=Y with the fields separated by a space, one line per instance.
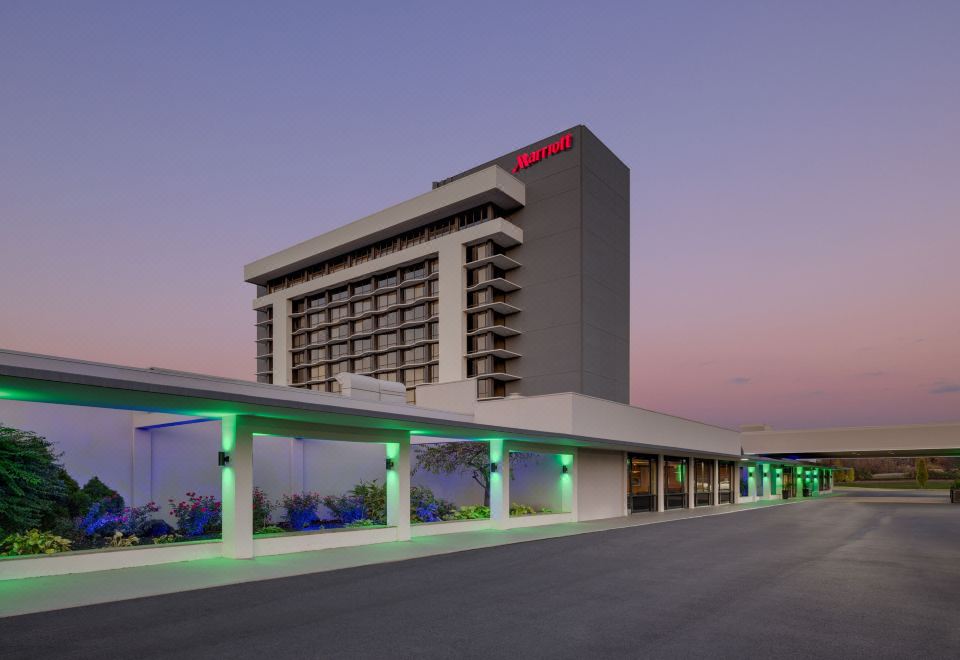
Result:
x=49 y=379
x=491 y=185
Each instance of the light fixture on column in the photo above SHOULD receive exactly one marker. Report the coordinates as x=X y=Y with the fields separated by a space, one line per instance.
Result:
x=390 y=464
x=564 y=469
x=223 y=459
x=493 y=467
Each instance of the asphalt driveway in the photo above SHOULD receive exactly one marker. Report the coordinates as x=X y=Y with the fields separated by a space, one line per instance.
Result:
x=854 y=576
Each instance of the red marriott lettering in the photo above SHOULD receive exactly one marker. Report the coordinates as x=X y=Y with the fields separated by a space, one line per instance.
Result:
x=526 y=160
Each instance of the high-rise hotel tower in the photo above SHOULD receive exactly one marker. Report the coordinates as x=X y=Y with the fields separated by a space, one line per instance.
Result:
x=515 y=273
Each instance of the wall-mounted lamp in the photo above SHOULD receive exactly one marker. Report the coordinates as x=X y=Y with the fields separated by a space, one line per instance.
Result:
x=223 y=459
x=564 y=469
x=390 y=464
x=493 y=467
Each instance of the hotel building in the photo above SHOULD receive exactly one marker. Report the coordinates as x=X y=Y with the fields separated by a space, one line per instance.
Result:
x=514 y=274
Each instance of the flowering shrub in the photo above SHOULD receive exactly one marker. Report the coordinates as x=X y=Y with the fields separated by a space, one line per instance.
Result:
x=261 y=509
x=198 y=514
x=103 y=519
x=367 y=500
x=426 y=507
x=301 y=509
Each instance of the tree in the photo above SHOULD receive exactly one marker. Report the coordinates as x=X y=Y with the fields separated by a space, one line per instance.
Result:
x=470 y=458
x=922 y=474
x=30 y=479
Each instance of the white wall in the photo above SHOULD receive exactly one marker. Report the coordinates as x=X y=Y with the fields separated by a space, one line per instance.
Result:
x=536 y=482
x=602 y=489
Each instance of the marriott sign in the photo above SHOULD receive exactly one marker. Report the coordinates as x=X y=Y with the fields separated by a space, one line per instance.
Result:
x=526 y=160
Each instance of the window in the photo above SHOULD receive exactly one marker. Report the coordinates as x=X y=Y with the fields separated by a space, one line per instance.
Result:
x=299 y=306
x=363 y=365
x=412 y=335
x=387 y=360
x=416 y=272
x=387 y=340
x=387 y=279
x=412 y=293
x=339 y=367
x=316 y=318
x=434 y=351
x=434 y=330
x=317 y=300
x=300 y=340
x=481 y=320
x=362 y=287
x=390 y=376
x=387 y=320
x=675 y=483
x=341 y=331
x=417 y=313
x=339 y=294
x=362 y=345
x=339 y=350
x=362 y=306
x=319 y=336
x=299 y=323
x=434 y=266
x=385 y=300
x=488 y=388
x=333 y=387
x=414 y=355
x=480 y=251
x=415 y=376
x=318 y=372
x=434 y=287
x=363 y=325
x=337 y=313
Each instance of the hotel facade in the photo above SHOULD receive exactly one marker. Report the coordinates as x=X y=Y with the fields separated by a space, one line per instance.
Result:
x=492 y=309
x=515 y=274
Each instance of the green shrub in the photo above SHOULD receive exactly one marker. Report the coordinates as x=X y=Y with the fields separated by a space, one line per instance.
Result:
x=270 y=529
x=33 y=542
x=30 y=480
x=470 y=513
x=362 y=522
x=118 y=540
x=955 y=485
x=427 y=507
x=521 y=510
x=367 y=500
x=167 y=538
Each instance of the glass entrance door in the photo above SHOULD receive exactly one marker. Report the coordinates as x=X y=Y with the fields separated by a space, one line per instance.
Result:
x=725 y=480
x=789 y=483
x=675 y=483
x=642 y=487
x=703 y=481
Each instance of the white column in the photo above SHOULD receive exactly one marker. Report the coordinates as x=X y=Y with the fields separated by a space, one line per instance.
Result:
x=237 y=488
x=715 y=485
x=398 y=487
x=691 y=483
x=752 y=481
x=499 y=484
x=141 y=467
x=281 y=342
x=453 y=300
x=661 y=485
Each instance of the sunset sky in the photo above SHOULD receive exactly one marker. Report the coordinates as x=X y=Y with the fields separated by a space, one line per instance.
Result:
x=795 y=176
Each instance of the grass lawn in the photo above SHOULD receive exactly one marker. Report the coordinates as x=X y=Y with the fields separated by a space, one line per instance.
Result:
x=901 y=484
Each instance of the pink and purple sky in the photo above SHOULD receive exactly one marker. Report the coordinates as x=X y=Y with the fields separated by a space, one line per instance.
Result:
x=795 y=173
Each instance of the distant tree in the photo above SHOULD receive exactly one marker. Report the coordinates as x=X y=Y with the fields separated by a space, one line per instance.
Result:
x=30 y=479
x=922 y=474
x=469 y=458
